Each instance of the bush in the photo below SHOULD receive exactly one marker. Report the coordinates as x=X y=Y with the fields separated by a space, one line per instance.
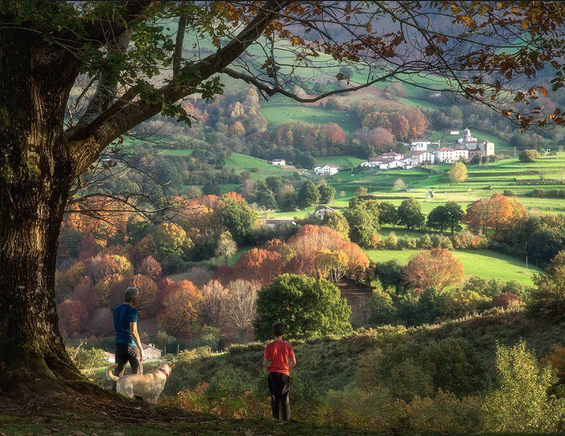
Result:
x=425 y=242
x=382 y=307
x=87 y=358
x=509 y=193
x=528 y=156
x=392 y=241
x=307 y=306
x=455 y=366
x=521 y=402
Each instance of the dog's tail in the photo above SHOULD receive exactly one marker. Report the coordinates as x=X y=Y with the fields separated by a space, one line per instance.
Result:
x=109 y=373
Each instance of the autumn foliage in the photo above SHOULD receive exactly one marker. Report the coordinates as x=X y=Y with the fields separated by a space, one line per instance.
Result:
x=180 y=310
x=498 y=214
x=435 y=269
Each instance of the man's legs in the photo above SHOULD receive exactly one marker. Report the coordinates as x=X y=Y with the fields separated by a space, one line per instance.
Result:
x=285 y=397
x=274 y=389
x=122 y=358
x=133 y=359
x=135 y=364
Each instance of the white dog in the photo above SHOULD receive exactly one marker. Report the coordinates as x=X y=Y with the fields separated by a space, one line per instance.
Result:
x=143 y=385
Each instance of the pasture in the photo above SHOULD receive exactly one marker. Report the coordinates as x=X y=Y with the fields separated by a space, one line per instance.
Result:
x=483 y=263
x=547 y=173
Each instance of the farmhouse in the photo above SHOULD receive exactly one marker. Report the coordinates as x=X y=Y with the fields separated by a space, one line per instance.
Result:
x=372 y=162
x=326 y=170
x=421 y=157
x=278 y=162
x=386 y=161
x=152 y=352
x=448 y=155
x=393 y=155
x=278 y=222
x=321 y=212
x=419 y=144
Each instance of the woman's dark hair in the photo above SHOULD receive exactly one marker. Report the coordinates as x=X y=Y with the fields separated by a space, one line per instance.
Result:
x=278 y=329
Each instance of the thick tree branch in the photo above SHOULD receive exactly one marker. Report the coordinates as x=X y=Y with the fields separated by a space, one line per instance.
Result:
x=107 y=84
x=89 y=141
x=270 y=91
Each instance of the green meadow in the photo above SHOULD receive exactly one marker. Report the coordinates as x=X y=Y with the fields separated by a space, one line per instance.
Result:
x=483 y=263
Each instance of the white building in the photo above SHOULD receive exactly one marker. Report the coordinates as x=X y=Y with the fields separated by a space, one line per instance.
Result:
x=393 y=155
x=474 y=146
x=449 y=155
x=326 y=170
x=278 y=222
x=454 y=132
x=152 y=352
x=372 y=162
x=406 y=163
x=321 y=212
x=466 y=137
x=389 y=164
x=278 y=162
x=419 y=144
x=421 y=157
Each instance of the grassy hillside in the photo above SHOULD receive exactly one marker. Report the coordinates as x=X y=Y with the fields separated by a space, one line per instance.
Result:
x=356 y=379
x=483 y=181
x=483 y=263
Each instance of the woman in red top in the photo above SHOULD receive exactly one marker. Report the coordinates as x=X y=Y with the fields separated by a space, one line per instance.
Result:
x=279 y=359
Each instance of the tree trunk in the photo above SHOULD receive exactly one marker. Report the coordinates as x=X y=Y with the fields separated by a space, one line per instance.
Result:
x=36 y=174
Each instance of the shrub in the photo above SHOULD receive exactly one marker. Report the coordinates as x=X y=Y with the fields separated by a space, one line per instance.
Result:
x=89 y=358
x=548 y=297
x=521 y=402
x=443 y=414
x=425 y=242
x=382 y=307
x=509 y=193
x=528 y=156
x=454 y=366
x=392 y=241
x=307 y=306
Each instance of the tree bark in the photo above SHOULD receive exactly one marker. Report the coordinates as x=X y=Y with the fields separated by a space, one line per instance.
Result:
x=36 y=176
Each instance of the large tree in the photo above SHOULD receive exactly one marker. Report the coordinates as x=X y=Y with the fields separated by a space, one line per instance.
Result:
x=75 y=76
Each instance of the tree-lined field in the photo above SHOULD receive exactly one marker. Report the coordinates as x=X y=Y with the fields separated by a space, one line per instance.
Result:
x=547 y=173
x=486 y=264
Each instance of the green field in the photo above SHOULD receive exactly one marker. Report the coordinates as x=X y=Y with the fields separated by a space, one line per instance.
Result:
x=342 y=161
x=483 y=181
x=483 y=263
x=280 y=109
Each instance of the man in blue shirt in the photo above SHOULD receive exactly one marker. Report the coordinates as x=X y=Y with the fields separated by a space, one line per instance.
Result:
x=128 y=344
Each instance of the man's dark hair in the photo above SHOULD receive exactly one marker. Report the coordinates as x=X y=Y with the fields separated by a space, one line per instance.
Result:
x=278 y=329
x=131 y=294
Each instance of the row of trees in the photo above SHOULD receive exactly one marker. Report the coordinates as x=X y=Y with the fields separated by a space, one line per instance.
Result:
x=191 y=229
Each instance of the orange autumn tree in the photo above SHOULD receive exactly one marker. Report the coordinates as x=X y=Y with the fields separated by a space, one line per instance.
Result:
x=73 y=318
x=259 y=265
x=313 y=245
x=497 y=213
x=435 y=269
x=180 y=314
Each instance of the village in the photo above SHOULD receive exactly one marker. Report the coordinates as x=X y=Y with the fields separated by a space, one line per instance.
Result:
x=465 y=148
